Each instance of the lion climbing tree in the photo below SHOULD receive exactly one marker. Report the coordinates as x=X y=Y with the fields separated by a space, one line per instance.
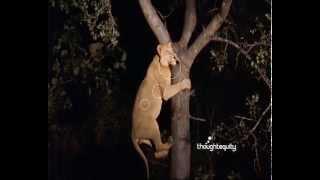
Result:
x=187 y=52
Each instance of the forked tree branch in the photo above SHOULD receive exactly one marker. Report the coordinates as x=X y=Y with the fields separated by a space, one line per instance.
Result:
x=246 y=54
x=205 y=36
x=190 y=20
x=219 y=39
x=154 y=21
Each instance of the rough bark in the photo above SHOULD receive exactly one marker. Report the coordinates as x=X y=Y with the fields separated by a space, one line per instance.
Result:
x=154 y=21
x=190 y=20
x=180 y=127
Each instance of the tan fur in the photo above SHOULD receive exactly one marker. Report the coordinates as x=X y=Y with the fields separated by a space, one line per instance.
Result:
x=155 y=88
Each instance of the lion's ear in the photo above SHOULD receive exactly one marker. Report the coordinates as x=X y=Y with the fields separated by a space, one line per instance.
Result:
x=159 y=48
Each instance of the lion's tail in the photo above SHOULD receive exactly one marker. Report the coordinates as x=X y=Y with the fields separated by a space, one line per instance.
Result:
x=139 y=150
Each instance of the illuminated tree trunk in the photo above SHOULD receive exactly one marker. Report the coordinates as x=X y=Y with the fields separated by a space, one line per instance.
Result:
x=180 y=125
x=180 y=130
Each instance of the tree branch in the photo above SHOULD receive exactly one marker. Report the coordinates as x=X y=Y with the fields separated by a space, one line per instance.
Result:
x=261 y=117
x=257 y=159
x=190 y=20
x=265 y=78
x=246 y=54
x=154 y=21
x=219 y=39
x=251 y=131
x=206 y=35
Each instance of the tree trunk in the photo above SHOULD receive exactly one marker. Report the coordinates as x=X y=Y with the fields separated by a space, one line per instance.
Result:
x=180 y=128
x=180 y=125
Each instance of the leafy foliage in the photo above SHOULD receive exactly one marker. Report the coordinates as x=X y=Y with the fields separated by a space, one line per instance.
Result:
x=84 y=57
x=250 y=131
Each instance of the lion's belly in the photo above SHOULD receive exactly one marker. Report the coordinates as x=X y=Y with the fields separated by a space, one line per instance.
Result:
x=147 y=103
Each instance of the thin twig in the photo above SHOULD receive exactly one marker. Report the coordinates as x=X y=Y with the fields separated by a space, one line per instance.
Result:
x=257 y=160
x=197 y=118
x=261 y=117
x=265 y=78
x=244 y=118
x=213 y=10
